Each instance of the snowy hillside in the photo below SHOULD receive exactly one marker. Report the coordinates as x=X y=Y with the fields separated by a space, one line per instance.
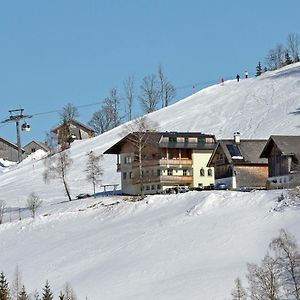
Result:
x=189 y=246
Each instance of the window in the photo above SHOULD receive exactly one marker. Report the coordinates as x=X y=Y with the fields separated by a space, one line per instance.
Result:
x=127 y=159
x=158 y=172
x=32 y=150
x=158 y=187
x=202 y=173
x=209 y=172
x=234 y=151
x=130 y=175
x=172 y=139
x=152 y=187
x=147 y=187
x=170 y=172
x=201 y=140
x=124 y=175
x=184 y=172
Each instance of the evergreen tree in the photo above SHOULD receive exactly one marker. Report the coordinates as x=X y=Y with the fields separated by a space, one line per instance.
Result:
x=61 y=296
x=36 y=296
x=4 y=290
x=23 y=295
x=47 y=294
x=258 y=69
x=288 y=60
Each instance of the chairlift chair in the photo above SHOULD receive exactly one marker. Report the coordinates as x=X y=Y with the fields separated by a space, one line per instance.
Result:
x=25 y=127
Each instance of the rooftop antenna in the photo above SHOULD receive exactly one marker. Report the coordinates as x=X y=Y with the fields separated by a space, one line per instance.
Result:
x=16 y=115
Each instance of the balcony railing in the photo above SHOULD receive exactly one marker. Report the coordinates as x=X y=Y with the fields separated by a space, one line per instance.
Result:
x=165 y=179
x=176 y=162
x=164 y=162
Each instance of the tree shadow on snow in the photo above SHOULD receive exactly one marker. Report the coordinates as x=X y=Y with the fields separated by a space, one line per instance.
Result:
x=296 y=112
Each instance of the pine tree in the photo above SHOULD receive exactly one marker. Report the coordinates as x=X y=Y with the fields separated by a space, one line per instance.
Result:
x=47 y=294
x=36 y=296
x=61 y=296
x=258 y=69
x=23 y=295
x=288 y=60
x=4 y=290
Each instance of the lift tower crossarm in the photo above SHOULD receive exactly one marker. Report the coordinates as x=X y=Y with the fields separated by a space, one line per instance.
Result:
x=16 y=115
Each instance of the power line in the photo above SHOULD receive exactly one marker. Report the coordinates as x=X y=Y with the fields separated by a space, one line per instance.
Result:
x=182 y=87
x=59 y=110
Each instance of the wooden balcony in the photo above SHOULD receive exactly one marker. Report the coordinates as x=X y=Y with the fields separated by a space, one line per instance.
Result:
x=176 y=179
x=176 y=162
x=164 y=162
x=165 y=179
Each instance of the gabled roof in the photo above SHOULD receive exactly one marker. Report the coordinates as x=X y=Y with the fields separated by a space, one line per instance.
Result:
x=75 y=123
x=154 y=138
x=287 y=144
x=151 y=137
x=245 y=152
x=42 y=145
x=12 y=145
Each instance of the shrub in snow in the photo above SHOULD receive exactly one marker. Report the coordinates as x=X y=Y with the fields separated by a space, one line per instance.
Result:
x=33 y=203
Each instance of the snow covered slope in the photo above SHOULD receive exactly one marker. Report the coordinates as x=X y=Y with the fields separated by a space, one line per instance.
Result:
x=189 y=246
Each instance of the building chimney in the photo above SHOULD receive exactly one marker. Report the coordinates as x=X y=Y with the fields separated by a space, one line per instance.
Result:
x=237 y=137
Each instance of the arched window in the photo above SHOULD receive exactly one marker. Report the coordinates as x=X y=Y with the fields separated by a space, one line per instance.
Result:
x=202 y=173
x=209 y=172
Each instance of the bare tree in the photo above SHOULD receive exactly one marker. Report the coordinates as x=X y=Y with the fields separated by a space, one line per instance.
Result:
x=57 y=167
x=271 y=60
x=69 y=292
x=288 y=260
x=293 y=41
x=51 y=141
x=238 y=292
x=69 y=112
x=33 y=203
x=2 y=210
x=138 y=135
x=279 y=52
x=263 y=280
x=166 y=90
x=100 y=122
x=111 y=107
x=16 y=284
x=149 y=97
x=93 y=169
x=129 y=95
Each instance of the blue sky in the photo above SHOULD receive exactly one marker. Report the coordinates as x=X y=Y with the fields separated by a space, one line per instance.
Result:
x=58 y=52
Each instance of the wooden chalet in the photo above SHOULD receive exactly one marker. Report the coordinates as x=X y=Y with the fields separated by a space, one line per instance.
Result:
x=169 y=159
x=283 y=154
x=8 y=150
x=238 y=164
x=75 y=131
x=33 y=146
